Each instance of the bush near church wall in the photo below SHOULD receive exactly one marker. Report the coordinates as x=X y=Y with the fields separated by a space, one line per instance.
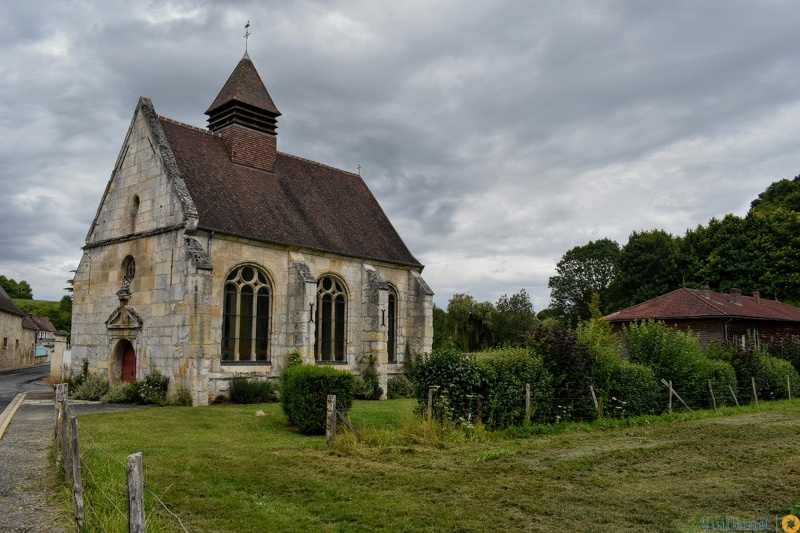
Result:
x=304 y=395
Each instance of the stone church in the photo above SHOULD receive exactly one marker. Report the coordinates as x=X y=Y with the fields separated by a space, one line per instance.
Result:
x=214 y=255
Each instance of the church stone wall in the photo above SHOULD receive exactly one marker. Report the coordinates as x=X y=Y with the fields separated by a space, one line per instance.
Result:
x=171 y=311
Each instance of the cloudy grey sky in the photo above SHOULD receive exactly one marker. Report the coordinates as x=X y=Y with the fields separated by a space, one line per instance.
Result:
x=496 y=134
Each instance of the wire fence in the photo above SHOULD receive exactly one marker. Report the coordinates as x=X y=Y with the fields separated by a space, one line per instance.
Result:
x=667 y=397
x=106 y=492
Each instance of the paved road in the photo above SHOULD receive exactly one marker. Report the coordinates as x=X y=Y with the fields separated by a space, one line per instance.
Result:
x=15 y=381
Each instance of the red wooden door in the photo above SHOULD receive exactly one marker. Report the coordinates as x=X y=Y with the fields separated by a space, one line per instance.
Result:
x=129 y=364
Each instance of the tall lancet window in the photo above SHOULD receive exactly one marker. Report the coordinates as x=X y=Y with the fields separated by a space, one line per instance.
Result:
x=331 y=320
x=246 y=316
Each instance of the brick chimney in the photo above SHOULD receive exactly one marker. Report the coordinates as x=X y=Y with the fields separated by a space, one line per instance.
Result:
x=757 y=296
x=736 y=296
x=704 y=290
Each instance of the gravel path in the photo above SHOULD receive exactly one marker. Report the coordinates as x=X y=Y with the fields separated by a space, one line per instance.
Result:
x=27 y=484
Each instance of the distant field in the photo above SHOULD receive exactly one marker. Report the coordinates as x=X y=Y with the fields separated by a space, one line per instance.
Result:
x=221 y=468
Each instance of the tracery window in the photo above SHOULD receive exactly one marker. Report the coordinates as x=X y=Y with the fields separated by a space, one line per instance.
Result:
x=129 y=269
x=246 y=315
x=331 y=317
x=391 y=324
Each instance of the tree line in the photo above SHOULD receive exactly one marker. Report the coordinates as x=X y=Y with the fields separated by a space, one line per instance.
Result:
x=760 y=251
x=59 y=313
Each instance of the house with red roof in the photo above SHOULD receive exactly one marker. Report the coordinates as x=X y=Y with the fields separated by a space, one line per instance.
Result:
x=214 y=255
x=715 y=316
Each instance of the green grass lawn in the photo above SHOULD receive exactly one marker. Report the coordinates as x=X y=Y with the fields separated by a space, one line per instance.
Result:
x=222 y=468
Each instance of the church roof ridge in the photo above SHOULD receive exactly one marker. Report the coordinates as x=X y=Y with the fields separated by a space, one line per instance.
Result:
x=190 y=126
x=317 y=163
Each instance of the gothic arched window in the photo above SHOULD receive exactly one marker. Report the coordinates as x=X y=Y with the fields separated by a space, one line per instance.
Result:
x=391 y=325
x=331 y=319
x=246 y=315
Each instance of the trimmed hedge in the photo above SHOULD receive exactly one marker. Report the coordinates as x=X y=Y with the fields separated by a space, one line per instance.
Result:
x=771 y=378
x=399 y=387
x=304 y=395
x=507 y=371
x=244 y=390
x=456 y=379
x=634 y=390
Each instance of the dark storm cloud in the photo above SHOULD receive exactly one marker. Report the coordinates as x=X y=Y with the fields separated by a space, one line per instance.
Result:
x=496 y=135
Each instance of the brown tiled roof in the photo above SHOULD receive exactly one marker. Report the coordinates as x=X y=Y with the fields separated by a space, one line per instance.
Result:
x=244 y=85
x=42 y=323
x=8 y=305
x=302 y=203
x=691 y=303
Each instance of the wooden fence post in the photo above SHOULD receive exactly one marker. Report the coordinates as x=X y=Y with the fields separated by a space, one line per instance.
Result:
x=77 y=485
x=734 y=395
x=135 y=477
x=527 y=403
x=594 y=399
x=66 y=452
x=670 y=396
x=430 y=404
x=713 y=398
x=755 y=396
x=330 y=426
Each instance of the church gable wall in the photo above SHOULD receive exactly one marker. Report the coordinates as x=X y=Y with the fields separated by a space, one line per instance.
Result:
x=161 y=294
x=139 y=197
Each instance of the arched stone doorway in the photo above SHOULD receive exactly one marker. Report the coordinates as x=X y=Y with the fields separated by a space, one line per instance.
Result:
x=124 y=362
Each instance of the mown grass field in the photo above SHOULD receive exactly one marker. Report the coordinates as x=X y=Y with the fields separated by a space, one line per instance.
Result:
x=222 y=468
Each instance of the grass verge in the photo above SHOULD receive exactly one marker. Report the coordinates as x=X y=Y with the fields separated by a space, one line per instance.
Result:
x=221 y=468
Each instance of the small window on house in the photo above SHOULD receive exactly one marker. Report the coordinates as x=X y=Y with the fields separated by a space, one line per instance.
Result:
x=134 y=212
x=16 y=344
x=129 y=269
x=5 y=343
x=246 y=316
x=331 y=319
x=391 y=323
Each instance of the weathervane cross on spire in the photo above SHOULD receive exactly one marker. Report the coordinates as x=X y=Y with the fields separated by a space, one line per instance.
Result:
x=246 y=34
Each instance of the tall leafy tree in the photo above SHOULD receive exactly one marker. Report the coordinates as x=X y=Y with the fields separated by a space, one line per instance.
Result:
x=647 y=267
x=514 y=320
x=583 y=271
x=19 y=290
x=470 y=323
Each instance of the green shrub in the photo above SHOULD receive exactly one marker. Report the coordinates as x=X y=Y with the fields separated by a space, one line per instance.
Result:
x=634 y=390
x=75 y=380
x=244 y=390
x=399 y=387
x=786 y=347
x=92 y=387
x=293 y=359
x=181 y=398
x=457 y=381
x=368 y=384
x=153 y=388
x=304 y=395
x=507 y=372
x=771 y=378
x=723 y=378
x=122 y=393
x=570 y=363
